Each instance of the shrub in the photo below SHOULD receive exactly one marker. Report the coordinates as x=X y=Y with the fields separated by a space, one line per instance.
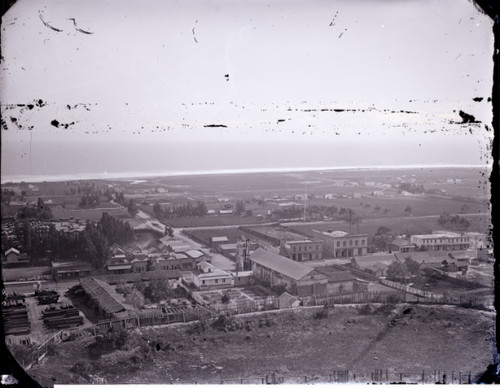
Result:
x=82 y=368
x=323 y=313
x=366 y=309
x=225 y=298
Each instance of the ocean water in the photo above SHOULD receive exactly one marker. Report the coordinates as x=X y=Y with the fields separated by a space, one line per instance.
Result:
x=66 y=161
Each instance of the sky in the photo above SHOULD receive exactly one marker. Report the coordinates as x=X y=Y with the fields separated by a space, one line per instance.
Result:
x=125 y=87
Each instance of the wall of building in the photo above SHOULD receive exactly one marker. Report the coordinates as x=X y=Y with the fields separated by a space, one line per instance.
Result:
x=345 y=246
x=335 y=288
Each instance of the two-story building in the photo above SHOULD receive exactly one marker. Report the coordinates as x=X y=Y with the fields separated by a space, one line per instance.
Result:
x=342 y=244
x=302 y=250
x=441 y=241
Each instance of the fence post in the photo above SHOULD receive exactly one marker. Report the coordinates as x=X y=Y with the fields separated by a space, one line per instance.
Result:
x=423 y=376
x=183 y=316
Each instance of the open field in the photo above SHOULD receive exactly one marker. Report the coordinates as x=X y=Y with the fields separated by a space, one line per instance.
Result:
x=421 y=205
x=66 y=212
x=220 y=220
x=288 y=343
x=399 y=225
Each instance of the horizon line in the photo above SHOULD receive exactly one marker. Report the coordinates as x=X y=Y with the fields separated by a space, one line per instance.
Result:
x=136 y=175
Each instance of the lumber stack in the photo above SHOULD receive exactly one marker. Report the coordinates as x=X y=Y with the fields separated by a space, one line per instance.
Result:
x=15 y=315
x=61 y=318
x=46 y=297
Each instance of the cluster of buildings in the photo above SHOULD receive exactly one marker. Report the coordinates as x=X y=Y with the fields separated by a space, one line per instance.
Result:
x=442 y=241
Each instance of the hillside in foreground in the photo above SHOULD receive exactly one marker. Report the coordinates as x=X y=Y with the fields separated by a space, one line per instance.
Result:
x=407 y=339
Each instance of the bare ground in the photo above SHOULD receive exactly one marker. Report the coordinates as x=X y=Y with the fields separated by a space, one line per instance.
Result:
x=402 y=339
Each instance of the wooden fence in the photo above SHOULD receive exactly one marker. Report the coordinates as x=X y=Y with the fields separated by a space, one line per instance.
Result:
x=347 y=376
x=356 y=298
x=410 y=290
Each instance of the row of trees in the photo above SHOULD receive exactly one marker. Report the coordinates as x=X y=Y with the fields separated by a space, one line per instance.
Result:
x=39 y=211
x=453 y=221
x=7 y=196
x=90 y=245
x=180 y=211
x=411 y=188
x=90 y=200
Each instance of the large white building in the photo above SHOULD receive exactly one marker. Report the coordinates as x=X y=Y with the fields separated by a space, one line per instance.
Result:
x=441 y=241
x=343 y=244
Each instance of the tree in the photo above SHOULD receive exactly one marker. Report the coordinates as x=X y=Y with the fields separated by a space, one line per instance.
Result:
x=157 y=210
x=408 y=210
x=381 y=238
x=132 y=207
x=240 y=207
x=412 y=265
x=225 y=298
x=396 y=270
x=135 y=298
x=157 y=290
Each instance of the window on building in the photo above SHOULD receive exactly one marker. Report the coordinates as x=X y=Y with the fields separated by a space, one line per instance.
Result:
x=203 y=282
x=350 y=243
x=344 y=243
x=363 y=242
x=356 y=242
x=360 y=251
x=338 y=243
x=216 y=280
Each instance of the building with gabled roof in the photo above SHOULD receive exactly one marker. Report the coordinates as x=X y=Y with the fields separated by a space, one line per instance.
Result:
x=401 y=245
x=12 y=256
x=339 y=282
x=275 y=270
x=286 y=301
x=208 y=277
x=70 y=269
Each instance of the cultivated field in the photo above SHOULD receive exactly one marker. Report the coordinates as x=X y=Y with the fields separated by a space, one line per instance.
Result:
x=399 y=225
x=68 y=211
x=222 y=220
x=290 y=344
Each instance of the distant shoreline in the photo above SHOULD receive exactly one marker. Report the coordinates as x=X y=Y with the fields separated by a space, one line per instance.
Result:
x=15 y=179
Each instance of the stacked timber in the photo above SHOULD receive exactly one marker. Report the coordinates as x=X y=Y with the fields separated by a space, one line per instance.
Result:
x=46 y=297
x=62 y=317
x=15 y=315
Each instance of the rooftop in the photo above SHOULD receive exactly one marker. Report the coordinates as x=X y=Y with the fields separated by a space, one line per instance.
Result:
x=423 y=257
x=439 y=234
x=105 y=296
x=401 y=242
x=71 y=265
x=280 y=264
x=335 y=275
x=220 y=239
